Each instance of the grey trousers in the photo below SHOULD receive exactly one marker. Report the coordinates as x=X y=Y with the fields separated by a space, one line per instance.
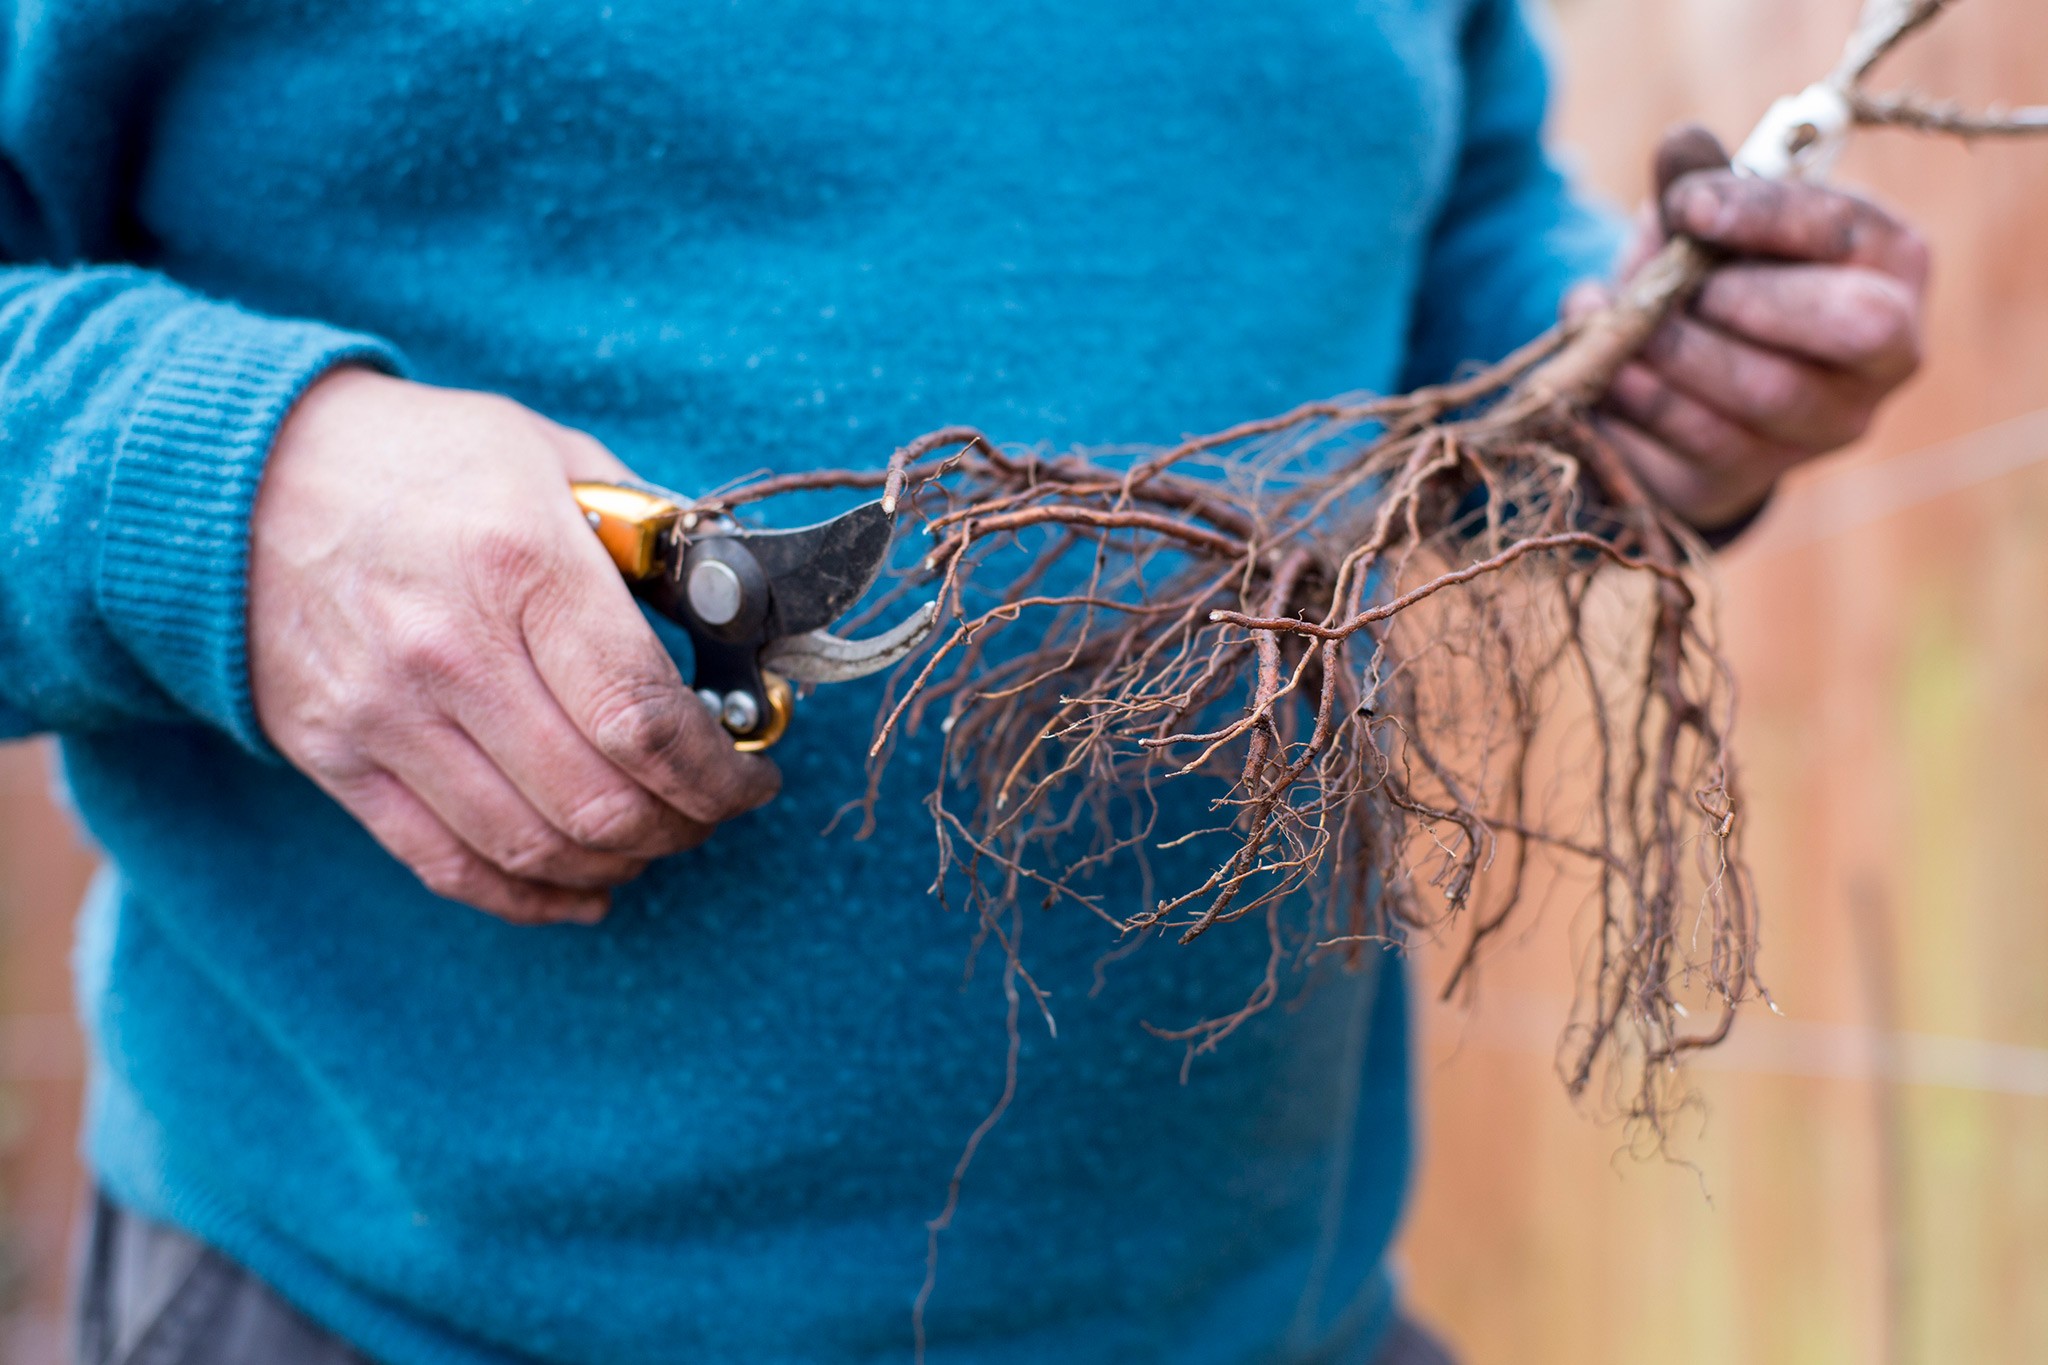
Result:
x=150 y=1295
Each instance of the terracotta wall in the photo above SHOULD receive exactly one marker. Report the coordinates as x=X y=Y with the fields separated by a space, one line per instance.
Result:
x=43 y=870
x=1871 y=1171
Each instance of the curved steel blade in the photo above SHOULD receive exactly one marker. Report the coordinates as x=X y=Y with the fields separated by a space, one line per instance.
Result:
x=815 y=573
x=818 y=656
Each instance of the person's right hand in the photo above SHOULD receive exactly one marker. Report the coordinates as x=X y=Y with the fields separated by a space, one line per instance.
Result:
x=438 y=640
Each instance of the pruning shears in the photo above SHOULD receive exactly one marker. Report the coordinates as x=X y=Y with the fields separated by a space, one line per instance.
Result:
x=756 y=602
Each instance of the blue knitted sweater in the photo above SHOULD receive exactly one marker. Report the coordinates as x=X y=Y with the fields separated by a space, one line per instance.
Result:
x=720 y=237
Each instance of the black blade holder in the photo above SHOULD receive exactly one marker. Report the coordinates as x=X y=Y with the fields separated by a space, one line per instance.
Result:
x=720 y=595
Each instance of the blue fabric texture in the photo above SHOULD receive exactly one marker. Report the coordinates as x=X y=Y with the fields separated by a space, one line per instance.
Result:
x=720 y=238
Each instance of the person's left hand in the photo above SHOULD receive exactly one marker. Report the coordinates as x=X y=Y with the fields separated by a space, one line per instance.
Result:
x=1787 y=350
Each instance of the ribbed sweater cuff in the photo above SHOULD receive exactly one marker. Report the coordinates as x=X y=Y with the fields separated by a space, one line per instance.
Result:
x=174 y=557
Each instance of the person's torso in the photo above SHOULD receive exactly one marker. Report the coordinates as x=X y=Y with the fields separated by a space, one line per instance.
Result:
x=723 y=238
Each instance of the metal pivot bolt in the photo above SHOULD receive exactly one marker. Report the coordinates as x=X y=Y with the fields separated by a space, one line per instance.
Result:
x=737 y=711
x=741 y=713
x=715 y=592
x=724 y=591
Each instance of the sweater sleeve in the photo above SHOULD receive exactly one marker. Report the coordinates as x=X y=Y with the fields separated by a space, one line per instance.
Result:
x=135 y=418
x=1510 y=237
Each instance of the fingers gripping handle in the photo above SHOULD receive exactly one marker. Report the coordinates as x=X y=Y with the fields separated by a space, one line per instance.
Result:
x=639 y=528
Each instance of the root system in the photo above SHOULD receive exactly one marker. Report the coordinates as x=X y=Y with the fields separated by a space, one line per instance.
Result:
x=1370 y=625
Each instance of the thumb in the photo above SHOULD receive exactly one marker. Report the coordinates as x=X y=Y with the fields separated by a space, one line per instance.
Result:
x=1686 y=150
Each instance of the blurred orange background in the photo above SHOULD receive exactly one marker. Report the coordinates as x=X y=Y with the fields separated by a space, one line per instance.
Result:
x=1868 y=1176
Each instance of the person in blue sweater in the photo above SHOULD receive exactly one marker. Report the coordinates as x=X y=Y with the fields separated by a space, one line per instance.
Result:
x=427 y=1027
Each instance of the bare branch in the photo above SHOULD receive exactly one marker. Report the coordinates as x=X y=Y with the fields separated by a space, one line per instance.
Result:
x=1883 y=25
x=1947 y=116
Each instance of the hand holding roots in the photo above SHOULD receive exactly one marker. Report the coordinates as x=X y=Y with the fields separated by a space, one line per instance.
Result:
x=1354 y=621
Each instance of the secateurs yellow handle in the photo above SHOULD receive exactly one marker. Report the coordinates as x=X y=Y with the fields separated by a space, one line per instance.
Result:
x=630 y=523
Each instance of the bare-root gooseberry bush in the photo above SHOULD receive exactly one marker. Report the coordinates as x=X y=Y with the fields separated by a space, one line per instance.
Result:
x=1352 y=625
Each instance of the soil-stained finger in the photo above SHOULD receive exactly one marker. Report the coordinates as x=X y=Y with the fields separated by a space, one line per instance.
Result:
x=620 y=689
x=1730 y=467
x=446 y=771
x=1750 y=216
x=1844 y=316
x=1785 y=398
x=449 y=868
x=522 y=729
